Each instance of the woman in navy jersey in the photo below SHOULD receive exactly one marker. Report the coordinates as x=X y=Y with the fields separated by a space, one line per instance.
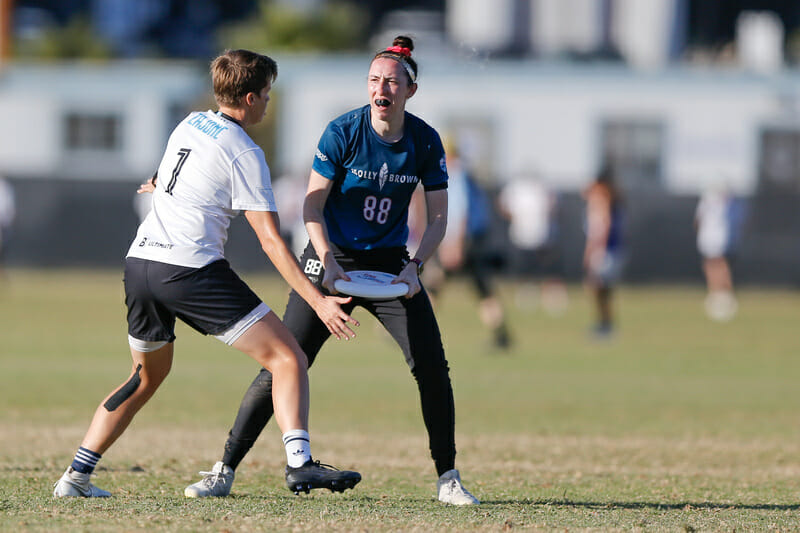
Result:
x=367 y=164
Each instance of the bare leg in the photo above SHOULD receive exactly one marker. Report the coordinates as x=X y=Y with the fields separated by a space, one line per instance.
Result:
x=718 y=274
x=271 y=344
x=107 y=425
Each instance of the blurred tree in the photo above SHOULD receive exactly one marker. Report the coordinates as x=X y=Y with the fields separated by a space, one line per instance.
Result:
x=74 y=40
x=337 y=26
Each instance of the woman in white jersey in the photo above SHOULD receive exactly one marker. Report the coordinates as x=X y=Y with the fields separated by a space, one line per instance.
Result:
x=212 y=170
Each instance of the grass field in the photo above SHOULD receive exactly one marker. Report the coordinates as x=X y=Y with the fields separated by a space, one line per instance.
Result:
x=677 y=423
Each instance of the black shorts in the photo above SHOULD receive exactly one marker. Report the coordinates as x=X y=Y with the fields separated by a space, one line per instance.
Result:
x=544 y=262
x=210 y=299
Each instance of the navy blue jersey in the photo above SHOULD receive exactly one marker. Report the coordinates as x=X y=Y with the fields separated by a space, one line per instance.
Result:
x=367 y=207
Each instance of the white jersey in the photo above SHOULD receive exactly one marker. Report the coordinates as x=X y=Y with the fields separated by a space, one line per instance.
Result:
x=211 y=170
x=713 y=232
x=530 y=206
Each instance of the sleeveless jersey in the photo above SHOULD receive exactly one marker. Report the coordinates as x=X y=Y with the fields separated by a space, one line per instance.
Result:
x=367 y=206
x=211 y=170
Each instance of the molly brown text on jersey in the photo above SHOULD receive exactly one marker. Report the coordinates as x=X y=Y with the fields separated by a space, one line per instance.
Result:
x=391 y=178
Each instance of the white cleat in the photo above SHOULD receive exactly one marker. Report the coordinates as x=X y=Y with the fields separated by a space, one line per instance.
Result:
x=74 y=484
x=218 y=482
x=452 y=491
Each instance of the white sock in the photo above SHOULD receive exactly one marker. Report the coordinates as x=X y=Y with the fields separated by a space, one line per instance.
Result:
x=298 y=447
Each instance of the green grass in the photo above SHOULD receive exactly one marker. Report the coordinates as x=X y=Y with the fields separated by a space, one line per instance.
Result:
x=677 y=423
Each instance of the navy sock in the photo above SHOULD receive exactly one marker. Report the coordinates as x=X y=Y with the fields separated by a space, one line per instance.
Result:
x=85 y=460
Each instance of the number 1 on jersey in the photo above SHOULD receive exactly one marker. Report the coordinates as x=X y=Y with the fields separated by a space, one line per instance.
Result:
x=183 y=153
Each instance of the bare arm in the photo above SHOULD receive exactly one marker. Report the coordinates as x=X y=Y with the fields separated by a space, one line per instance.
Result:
x=598 y=225
x=436 y=208
x=317 y=194
x=267 y=227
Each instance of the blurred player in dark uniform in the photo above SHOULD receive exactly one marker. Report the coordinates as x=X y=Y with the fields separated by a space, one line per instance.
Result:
x=466 y=247
x=367 y=165
x=603 y=253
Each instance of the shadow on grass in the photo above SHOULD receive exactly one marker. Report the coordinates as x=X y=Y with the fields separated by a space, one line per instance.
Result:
x=651 y=505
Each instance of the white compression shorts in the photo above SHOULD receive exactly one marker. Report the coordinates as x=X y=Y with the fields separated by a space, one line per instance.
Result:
x=229 y=337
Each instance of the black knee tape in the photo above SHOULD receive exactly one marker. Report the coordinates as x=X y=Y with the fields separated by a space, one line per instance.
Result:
x=125 y=392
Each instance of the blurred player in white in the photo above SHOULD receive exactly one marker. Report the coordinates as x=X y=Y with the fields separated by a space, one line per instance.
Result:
x=175 y=268
x=530 y=209
x=715 y=224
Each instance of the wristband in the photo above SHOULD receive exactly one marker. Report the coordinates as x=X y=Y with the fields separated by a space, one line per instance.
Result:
x=417 y=261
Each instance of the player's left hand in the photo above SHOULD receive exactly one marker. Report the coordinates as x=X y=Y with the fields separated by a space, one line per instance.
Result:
x=333 y=271
x=409 y=276
x=147 y=186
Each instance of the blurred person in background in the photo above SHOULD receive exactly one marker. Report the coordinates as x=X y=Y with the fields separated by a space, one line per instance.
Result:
x=175 y=268
x=465 y=247
x=8 y=212
x=531 y=210
x=717 y=220
x=289 y=192
x=603 y=252
x=368 y=163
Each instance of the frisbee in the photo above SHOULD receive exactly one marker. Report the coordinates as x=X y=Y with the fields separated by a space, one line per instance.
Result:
x=371 y=284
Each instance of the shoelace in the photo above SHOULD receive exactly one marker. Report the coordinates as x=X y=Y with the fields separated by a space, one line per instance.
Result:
x=210 y=479
x=455 y=486
x=328 y=467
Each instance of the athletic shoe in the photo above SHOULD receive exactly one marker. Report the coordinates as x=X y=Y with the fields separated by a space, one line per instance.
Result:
x=315 y=475
x=218 y=482
x=452 y=491
x=76 y=484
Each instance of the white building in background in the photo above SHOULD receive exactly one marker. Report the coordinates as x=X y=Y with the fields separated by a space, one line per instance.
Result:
x=645 y=33
x=92 y=121
x=674 y=131
x=578 y=26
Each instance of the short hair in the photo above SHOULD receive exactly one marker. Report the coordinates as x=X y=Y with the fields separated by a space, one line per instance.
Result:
x=235 y=73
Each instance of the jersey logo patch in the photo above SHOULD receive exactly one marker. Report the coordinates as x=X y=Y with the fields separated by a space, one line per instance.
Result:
x=319 y=155
x=383 y=175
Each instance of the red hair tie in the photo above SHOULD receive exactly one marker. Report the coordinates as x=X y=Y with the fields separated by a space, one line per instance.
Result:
x=403 y=51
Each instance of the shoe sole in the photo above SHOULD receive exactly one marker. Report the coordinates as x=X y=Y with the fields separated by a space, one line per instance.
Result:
x=335 y=485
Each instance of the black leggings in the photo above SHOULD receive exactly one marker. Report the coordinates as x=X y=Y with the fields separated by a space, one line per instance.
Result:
x=412 y=324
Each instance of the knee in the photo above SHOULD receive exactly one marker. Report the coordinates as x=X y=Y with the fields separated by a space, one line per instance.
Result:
x=284 y=359
x=431 y=369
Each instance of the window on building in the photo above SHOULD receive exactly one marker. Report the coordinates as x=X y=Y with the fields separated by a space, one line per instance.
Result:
x=92 y=131
x=634 y=148
x=780 y=160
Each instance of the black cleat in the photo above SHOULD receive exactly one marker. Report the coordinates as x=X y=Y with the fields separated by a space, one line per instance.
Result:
x=315 y=475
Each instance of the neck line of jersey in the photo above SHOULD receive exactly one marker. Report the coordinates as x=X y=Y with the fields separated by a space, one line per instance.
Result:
x=228 y=117
x=375 y=133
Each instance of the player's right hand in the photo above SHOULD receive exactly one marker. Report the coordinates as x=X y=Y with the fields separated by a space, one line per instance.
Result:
x=330 y=311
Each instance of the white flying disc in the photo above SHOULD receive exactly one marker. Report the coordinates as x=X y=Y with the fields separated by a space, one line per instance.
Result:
x=371 y=284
